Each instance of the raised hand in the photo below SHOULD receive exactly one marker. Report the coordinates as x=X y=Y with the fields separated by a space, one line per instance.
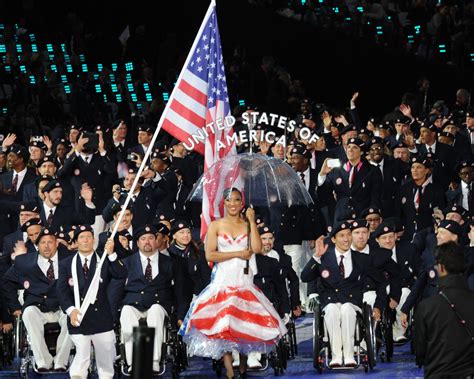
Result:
x=320 y=248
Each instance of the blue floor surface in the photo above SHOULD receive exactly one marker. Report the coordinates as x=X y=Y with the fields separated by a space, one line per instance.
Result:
x=402 y=366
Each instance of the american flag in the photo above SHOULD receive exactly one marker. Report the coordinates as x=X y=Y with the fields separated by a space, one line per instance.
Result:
x=198 y=99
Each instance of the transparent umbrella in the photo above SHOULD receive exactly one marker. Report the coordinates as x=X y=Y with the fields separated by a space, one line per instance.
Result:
x=264 y=181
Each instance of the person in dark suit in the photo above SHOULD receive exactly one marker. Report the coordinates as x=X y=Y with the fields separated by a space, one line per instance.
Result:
x=165 y=184
x=12 y=184
x=143 y=201
x=461 y=143
x=126 y=225
x=357 y=184
x=189 y=262
x=37 y=274
x=96 y=326
x=469 y=131
x=381 y=259
x=402 y=127
x=460 y=192
x=444 y=156
x=54 y=215
x=145 y=135
x=341 y=272
x=285 y=272
x=426 y=283
x=27 y=211
x=392 y=171
x=448 y=317
x=47 y=166
x=409 y=263
x=86 y=166
x=149 y=292
x=298 y=226
x=418 y=198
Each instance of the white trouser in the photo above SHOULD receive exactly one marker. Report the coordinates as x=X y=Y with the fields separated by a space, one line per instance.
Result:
x=104 y=348
x=98 y=227
x=299 y=259
x=398 y=329
x=155 y=318
x=34 y=321
x=369 y=298
x=340 y=320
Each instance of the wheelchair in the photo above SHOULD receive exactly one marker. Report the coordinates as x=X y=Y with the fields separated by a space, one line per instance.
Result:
x=173 y=350
x=286 y=349
x=7 y=349
x=365 y=355
x=24 y=352
x=384 y=335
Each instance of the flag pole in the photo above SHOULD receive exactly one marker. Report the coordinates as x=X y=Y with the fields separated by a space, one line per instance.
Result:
x=94 y=286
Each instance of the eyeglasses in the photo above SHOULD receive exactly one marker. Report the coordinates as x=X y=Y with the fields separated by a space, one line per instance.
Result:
x=375 y=148
x=465 y=173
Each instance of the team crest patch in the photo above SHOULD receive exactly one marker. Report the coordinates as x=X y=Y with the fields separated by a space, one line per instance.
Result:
x=325 y=274
x=404 y=200
x=26 y=284
x=71 y=282
x=338 y=181
x=77 y=172
x=432 y=274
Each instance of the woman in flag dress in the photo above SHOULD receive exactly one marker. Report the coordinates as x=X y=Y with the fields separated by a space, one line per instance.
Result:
x=231 y=313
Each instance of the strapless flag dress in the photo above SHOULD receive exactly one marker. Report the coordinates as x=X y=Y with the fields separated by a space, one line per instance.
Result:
x=231 y=313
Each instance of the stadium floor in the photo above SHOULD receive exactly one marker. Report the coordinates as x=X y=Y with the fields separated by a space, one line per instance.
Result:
x=402 y=366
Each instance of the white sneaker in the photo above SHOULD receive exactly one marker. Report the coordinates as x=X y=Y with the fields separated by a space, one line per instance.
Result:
x=253 y=361
x=236 y=358
x=350 y=362
x=335 y=362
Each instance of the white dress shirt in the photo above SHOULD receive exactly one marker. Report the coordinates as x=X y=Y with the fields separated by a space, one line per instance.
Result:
x=153 y=262
x=394 y=254
x=273 y=254
x=433 y=148
x=365 y=250
x=465 y=195
x=43 y=264
x=380 y=165
x=306 y=177
x=21 y=176
x=48 y=209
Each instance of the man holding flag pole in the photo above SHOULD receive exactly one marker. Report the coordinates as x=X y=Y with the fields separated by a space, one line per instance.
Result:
x=198 y=99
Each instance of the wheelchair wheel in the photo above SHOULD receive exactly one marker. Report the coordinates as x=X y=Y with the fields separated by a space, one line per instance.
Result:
x=317 y=364
x=217 y=367
x=292 y=339
x=369 y=335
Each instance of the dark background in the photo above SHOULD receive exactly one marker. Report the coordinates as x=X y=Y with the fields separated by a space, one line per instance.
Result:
x=332 y=65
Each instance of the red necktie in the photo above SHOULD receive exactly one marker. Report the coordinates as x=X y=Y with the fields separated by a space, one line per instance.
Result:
x=341 y=267
x=50 y=272
x=85 y=269
x=148 y=275
x=14 y=182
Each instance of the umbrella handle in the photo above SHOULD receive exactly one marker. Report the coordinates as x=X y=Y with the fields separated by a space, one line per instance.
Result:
x=247 y=264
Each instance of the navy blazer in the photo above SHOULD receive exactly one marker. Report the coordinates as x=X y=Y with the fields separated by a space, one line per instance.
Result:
x=271 y=283
x=98 y=318
x=382 y=260
x=39 y=291
x=142 y=294
x=366 y=190
x=332 y=288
